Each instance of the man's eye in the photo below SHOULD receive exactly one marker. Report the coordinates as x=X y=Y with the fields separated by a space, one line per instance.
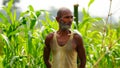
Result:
x=68 y=17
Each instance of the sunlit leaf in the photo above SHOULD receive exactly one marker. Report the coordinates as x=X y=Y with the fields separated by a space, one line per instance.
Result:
x=38 y=13
x=6 y=40
x=24 y=13
x=10 y=4
x=90 y=2
x=31 y=8
x=3 y=18
x=32 y=24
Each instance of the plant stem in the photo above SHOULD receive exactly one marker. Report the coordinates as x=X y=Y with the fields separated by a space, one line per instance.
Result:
x=76 y=13
x=104 y=35
x=109 y=13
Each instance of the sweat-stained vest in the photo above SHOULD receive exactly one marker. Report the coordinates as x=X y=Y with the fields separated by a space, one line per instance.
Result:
x=63 y=56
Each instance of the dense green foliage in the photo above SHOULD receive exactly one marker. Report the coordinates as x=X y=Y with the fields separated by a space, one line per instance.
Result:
x=22 y=39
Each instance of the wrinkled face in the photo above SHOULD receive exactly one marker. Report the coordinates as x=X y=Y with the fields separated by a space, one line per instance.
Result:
x=65 y=21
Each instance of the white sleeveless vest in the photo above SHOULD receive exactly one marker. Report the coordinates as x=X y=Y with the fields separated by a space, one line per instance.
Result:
x=63 y=56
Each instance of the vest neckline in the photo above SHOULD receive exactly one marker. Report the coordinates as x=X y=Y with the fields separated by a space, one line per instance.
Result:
x=55 y=36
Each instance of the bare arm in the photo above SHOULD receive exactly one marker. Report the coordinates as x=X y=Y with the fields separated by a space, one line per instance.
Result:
x=47 y=49
x=80 y=50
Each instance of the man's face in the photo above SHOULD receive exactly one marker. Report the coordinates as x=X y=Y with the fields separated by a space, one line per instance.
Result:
x=66 y=21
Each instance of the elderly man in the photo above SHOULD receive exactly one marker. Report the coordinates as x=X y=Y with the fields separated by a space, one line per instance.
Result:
x=64 y=44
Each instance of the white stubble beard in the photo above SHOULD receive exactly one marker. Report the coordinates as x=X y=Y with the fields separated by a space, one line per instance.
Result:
x=64 y=26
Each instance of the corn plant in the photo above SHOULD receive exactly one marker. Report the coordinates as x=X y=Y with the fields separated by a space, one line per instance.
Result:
x=23 y=42
x=22 y=39
x=101 y=42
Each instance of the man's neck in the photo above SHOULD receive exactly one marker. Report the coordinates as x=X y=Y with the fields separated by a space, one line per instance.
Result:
x=63 y=32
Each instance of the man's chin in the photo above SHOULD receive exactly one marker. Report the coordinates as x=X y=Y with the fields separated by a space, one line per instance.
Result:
x=65 y=28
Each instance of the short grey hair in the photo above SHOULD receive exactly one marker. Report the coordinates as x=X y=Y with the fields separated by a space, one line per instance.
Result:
x=61 y=11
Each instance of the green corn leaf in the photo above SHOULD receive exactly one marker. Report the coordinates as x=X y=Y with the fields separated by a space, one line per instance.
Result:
x=85 y=13
x=4 y=19
x=13 y=60
x=23 y=20
x=13 y=33
x=90 y=2
x=30 y=42
x=32 y=24
x=31 y=8
x=6 y=40
x=14 y=17
x=33 y=15
x=24 y=13
x=10 y=3
x=38 y=13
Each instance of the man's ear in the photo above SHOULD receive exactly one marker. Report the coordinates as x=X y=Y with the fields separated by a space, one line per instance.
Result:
x=57 y=19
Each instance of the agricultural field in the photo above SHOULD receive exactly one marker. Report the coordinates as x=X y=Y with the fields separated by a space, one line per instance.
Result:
x=22 y=39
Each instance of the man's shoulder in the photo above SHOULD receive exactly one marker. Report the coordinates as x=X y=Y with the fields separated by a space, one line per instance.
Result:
x=77 y=35
x=50 y=35
x=48 y=38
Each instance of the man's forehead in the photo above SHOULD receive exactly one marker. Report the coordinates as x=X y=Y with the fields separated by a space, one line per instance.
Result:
x=67 y=13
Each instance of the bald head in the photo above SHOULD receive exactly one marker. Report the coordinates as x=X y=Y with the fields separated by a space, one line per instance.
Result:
x=62 y=11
